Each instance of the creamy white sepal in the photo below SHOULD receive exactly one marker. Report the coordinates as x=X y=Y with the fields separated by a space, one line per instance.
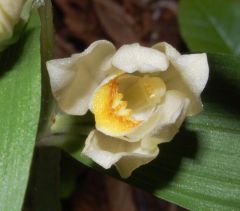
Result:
x=107 y=151
x=73 y=80
x=133 y=57
x=187 y=73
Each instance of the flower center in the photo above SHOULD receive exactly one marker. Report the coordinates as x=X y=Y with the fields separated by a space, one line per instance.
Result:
x=119 y=105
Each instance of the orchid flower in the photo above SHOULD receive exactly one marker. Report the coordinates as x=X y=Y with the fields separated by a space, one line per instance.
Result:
x=139 y=97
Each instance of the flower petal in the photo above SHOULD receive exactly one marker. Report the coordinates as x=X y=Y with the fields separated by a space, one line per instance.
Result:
x=171 y=115
x=74 y=79
x=169 y=50
x=131 y=58
x=108 y=151
x=166 y=116
x=187 y=73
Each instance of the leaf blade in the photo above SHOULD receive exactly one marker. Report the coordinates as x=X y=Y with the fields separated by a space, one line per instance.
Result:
x=211 y=26
x=20 y=98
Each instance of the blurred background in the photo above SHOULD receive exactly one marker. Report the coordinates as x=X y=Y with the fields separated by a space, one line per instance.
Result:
x=80 y=22
x=77 y=24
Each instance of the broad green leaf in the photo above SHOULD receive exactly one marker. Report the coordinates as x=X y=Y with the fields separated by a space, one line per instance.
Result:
x=200 y=168
x=211 y=25
x=20 y=97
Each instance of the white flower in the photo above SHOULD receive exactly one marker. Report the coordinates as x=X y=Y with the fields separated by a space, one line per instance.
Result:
x=13 y=13
x=139 y=96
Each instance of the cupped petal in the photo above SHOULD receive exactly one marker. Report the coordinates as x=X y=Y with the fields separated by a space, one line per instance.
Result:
x=107 y=151
x=73 y=80
x=187 y=73
x=171 y=116
x=133 y=57
x=163 y=119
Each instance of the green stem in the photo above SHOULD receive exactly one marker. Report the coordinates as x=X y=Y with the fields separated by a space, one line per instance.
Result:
x=43 y=189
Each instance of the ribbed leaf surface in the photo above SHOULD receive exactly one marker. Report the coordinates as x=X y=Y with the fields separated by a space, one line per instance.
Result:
x=211 y=25
x=20 y=98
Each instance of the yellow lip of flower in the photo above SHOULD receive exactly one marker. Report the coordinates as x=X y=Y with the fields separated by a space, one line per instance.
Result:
x=117 y=104
x=111 y=112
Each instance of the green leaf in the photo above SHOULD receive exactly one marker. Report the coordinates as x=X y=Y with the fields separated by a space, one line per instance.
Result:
x=211 y=25
x=200 y=168
x=20 y=98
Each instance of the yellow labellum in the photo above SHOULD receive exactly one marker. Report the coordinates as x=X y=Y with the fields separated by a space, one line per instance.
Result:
x=111 y=111
x=114 y=110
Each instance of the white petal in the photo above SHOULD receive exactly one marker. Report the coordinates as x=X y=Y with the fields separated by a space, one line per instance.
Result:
x=166 y=48
x=171 y=116
x=108 y=151
x=129 y=163
x=174 y=105
x=194 y=70
x=74 y=79
x=187 y=73
x=131 y=58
